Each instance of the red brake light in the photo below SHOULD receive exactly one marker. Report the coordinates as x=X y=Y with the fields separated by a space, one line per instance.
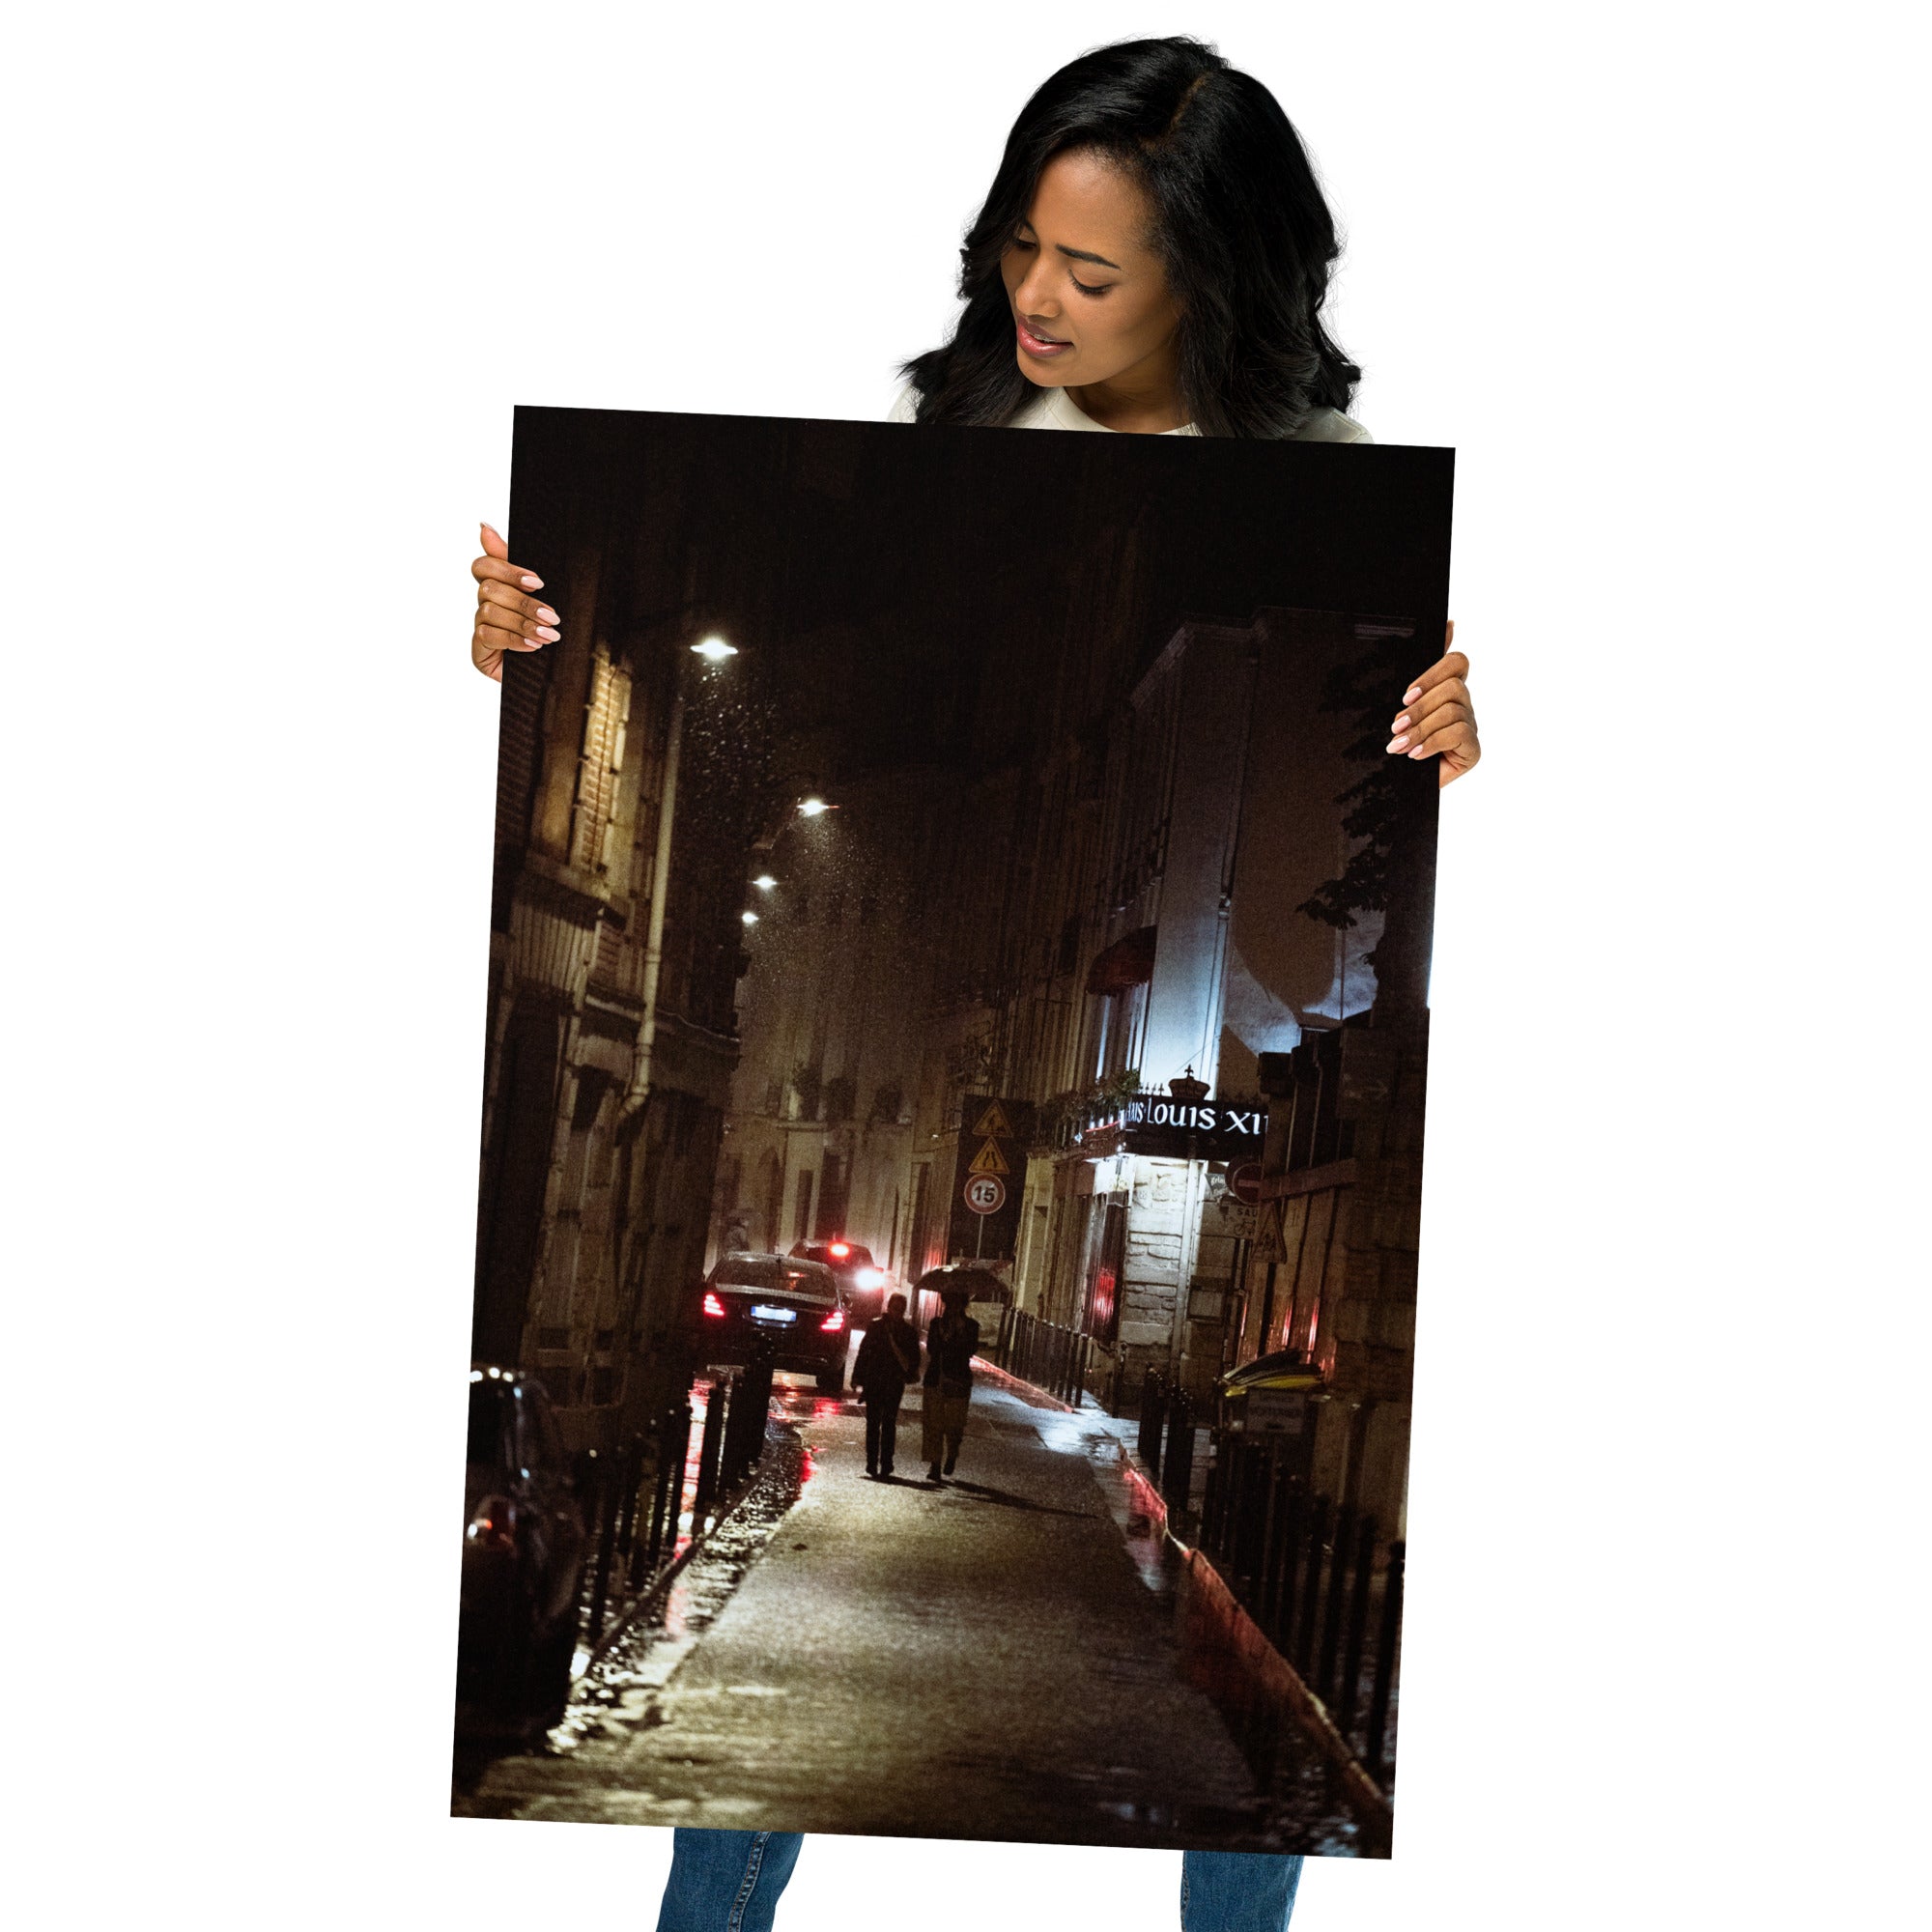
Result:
x=492 y=1525
x=712 y=1305
x=833 y=1323
x=841 y=1249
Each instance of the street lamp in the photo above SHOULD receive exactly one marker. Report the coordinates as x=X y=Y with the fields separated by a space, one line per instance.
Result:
x=812 y=808
x=749 y=917
x=764 y=882
x=714 y=650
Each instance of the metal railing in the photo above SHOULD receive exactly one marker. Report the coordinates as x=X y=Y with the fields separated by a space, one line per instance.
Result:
x=1318 y=1581
x=1045 y=1354
x=638 y=1498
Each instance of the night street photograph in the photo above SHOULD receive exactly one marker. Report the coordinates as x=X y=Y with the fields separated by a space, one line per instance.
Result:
x=952 y=1137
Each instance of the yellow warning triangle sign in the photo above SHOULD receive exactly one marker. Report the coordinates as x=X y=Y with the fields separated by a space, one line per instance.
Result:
x=993 y=1125
x=987 y=1160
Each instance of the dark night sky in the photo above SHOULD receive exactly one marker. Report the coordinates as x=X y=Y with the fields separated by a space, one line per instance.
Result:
x=902 y=589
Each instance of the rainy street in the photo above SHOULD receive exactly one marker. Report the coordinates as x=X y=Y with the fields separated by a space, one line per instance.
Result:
x=873 y=924
x=994 y=1658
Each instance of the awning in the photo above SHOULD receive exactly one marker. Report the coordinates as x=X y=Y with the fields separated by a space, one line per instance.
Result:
x=1127 y=962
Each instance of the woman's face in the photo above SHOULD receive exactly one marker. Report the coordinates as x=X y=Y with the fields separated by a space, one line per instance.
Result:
x=1090 y=300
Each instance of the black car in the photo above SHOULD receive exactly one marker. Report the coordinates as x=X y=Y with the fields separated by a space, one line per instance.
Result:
x=522 y=1559
x=795 y=1303
x=861 y=1279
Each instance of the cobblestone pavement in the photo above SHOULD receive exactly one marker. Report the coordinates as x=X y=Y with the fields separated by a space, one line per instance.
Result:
x=991 y=1658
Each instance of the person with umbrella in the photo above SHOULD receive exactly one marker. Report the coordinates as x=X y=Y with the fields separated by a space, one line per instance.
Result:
x=887 y=1359
x=952 y=1341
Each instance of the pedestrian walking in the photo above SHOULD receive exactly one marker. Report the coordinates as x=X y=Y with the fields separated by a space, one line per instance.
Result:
x=1205 y=319
x=887 y=1359
x=952 y=1341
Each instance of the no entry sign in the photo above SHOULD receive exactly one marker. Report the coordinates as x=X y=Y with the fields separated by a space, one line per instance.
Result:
x=1245 y=1182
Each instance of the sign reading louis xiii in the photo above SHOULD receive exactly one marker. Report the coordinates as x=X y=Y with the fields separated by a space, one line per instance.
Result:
x=1210 y=1129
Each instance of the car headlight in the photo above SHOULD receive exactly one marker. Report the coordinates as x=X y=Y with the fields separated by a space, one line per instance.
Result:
x=869 y=1277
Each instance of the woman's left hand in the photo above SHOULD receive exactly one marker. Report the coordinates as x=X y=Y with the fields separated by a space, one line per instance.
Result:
x=1436 y=719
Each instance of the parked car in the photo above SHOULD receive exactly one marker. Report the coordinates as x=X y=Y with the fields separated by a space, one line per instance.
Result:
x=795 y=1303
x=524 y=1543
x=864 y=1281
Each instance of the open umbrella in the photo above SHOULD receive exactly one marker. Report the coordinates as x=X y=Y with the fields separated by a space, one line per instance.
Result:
x=980 y=1284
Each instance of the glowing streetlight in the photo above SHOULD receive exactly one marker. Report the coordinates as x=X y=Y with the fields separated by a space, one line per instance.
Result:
x=812 y=808
x=749 y=917
x=764 y=882
x=714 y=650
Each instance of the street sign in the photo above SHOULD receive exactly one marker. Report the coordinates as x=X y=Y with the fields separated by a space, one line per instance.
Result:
x=1158 y=1125
x=988 y=1176
x=988 y=1161
x=986 y=1194
x=1245 y=1182
x=1278 y=1412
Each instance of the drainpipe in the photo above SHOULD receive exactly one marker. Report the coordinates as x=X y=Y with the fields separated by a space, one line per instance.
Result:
x=647 y=1030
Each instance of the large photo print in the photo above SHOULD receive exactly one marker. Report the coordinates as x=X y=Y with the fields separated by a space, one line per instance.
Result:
x=951 y=1143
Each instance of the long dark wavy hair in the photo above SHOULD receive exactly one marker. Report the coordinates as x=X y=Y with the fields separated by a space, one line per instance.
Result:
x=1241 y=227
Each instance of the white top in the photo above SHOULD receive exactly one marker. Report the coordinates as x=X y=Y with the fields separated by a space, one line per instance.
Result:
x=1055 y=409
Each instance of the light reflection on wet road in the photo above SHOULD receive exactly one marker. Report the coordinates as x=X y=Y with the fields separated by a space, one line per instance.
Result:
x=995 y=1658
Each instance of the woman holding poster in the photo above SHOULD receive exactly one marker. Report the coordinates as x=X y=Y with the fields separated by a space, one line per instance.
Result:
x=1153 y=258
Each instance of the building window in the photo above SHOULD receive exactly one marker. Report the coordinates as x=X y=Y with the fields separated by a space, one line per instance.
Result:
x=607 y=716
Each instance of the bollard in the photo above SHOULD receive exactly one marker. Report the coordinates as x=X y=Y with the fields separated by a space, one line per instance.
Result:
x=1331 y=1612
x=1358 y=1624
x=606 y=1541
x=634 y=1476
x=751 y=1405
x=710 y=1450
x=1378 y=1704
x=1308 y=1609
x=1177 y=1463
x=667 y=1495
x=1288 y=1567
x=1154 y=1418
x=1264 y=1515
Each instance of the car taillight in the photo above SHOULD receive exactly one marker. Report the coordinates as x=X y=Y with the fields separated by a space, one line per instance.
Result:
x=712 y=1305
x=840 y=1249
x=492 y=1525
x=833 y=1323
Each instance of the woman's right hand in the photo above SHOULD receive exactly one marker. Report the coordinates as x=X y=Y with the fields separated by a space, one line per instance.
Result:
x=506 y=619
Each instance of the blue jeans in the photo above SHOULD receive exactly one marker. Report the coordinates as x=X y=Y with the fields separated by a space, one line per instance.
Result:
x=730 y=1882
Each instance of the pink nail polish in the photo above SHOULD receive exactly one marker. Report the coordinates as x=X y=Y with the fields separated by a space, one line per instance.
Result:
x=546 y=616
x=548 y=635
x=533 y=583
x=1396 y=743
x=1413 y=692
x=1400 y=723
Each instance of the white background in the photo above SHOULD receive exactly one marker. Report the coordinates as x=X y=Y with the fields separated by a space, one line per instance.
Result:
x=278 y=276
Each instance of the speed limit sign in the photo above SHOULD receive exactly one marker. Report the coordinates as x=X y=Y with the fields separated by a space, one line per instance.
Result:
x=985 y=1194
